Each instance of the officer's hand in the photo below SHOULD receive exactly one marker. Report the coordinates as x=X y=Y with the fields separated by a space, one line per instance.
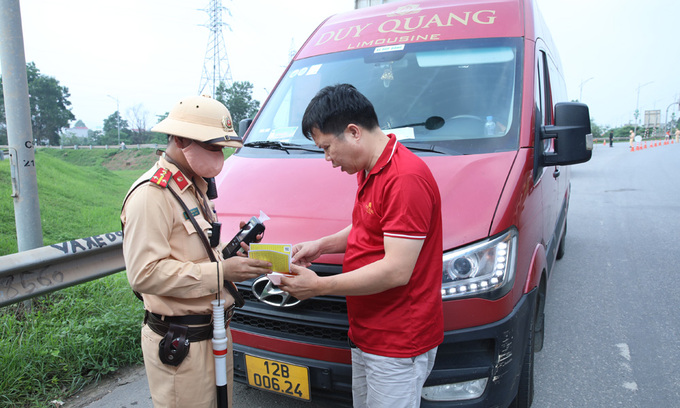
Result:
x=305 y=252
x=303 y=285
x=258 y=237
x=238 y=268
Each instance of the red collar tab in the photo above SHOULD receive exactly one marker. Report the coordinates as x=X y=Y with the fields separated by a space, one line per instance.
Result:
x=181 y=180
x=161 y=177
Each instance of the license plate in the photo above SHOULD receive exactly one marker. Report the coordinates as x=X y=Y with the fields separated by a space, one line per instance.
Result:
x=283 y=378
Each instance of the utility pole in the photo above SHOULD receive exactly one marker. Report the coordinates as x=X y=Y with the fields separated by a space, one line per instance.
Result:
x=637 y=105
x=216 y=51
x=580 y=96
x=19 y=132
x=666 y=126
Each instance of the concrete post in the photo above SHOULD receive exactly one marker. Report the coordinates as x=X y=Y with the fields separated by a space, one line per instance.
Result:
x=19 y=133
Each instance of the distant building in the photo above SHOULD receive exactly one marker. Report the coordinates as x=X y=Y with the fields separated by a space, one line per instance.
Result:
x=78 y=131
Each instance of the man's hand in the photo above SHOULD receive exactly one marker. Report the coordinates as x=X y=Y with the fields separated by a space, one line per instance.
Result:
x=239 y=268
x=304 y=285
x=305 y=252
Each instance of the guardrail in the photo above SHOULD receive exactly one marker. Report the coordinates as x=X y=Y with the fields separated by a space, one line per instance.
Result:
x=134 y=146
x=39 y=271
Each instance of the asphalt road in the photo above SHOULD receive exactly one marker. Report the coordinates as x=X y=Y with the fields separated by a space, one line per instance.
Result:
x=612 y=321
x=613 y=328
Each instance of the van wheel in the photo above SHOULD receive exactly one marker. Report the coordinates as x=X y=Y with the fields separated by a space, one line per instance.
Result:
x=560 y=248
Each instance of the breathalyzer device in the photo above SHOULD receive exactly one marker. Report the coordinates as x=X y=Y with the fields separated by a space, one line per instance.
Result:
x=247 y=234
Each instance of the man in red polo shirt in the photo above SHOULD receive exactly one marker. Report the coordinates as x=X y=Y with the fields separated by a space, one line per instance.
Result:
x=392 y=268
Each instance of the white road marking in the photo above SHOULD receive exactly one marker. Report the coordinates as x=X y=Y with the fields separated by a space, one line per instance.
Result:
x=624 y=351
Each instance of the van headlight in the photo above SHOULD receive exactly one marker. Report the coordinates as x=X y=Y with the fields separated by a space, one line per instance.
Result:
x=485 y=269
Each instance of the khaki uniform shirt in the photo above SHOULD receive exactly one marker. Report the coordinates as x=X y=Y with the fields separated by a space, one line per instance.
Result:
x=165 y=259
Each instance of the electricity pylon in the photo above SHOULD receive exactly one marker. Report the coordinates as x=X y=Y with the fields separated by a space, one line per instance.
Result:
x=216 y=63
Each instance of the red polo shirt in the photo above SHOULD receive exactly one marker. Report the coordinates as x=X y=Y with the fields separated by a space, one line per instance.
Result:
x=398 y=198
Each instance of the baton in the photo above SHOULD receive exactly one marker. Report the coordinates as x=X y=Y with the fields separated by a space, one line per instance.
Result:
x=219 y=344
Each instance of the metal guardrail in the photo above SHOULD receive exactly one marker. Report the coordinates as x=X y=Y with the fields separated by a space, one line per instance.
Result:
x=134 y=146
x=39 y=271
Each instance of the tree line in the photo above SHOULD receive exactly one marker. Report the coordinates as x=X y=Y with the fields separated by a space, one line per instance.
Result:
x=51 y=114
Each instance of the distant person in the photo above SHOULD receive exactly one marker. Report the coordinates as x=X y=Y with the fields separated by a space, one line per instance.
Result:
x=632 y=138
x=677 y=135
x=170 y=264
x=611 y=138
x=392 y=269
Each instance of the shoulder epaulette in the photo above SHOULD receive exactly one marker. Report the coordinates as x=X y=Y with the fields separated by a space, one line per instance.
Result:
x=161 y=177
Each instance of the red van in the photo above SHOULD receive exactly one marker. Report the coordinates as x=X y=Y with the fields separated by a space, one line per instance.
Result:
x=475 y=88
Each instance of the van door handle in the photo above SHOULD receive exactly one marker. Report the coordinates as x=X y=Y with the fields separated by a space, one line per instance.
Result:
x=556 y=173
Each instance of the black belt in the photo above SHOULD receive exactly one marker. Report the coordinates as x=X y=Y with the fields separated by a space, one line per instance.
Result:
x=200 y=326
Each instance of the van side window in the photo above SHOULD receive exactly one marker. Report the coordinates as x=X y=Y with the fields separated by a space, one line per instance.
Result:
x=544 y=98
x=548 y=102
x=559 y=85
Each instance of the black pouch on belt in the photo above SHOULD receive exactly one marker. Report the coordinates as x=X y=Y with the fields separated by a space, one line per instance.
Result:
x=174 y=346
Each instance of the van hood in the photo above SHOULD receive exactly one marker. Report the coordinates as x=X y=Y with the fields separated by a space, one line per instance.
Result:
x=306 y=198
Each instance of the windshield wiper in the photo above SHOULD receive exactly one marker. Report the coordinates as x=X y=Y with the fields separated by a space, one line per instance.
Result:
x=423 y=147
x=432 y=123
x=285 y=146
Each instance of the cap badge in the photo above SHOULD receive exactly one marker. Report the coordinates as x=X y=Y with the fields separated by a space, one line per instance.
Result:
x=227 y=124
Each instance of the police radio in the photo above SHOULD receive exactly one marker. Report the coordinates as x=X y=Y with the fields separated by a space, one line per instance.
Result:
x=216 y=229
x=247 y=234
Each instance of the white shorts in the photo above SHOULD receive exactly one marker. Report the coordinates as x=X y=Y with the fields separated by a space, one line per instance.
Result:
x=388 y=382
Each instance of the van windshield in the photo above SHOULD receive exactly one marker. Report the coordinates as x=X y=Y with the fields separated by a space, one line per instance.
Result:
x=452 y=97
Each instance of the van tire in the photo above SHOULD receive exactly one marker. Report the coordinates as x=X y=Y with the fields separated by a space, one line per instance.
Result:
x=560 y=248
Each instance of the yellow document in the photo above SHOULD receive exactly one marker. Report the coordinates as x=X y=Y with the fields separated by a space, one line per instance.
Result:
x=278 y=254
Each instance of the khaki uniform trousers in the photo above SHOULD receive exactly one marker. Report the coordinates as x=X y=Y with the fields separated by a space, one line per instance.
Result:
x=192 y=383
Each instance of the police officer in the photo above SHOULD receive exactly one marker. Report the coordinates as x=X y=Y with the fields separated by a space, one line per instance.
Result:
x=168 y=261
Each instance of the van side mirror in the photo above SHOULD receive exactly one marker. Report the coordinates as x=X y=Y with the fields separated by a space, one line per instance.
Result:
x=243 y=126
x=572 y=134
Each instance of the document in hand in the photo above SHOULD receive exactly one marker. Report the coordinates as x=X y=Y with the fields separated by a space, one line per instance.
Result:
x=278 y=254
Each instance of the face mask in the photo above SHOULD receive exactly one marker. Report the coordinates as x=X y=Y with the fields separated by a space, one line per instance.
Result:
x=204 y=162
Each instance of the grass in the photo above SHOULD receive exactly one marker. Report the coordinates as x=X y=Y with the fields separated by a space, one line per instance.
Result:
x=75 y=336
x=67 y=340
x=78 y=195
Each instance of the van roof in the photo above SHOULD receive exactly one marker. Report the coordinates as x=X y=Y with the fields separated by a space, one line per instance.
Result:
x=426 y=20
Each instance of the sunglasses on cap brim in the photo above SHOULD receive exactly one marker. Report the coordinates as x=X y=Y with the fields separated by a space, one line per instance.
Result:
x=225 y=138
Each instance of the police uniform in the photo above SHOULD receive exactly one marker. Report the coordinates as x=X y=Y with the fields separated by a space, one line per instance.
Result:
x=169 y=265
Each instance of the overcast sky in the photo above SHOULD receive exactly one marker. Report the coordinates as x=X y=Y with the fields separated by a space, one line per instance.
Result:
x=150 y=53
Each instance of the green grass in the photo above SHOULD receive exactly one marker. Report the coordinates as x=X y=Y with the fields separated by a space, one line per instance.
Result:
x=72 y=337
x=69 y=339
x=78 y=196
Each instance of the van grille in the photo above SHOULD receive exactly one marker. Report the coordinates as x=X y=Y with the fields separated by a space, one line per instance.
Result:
x=320 y=320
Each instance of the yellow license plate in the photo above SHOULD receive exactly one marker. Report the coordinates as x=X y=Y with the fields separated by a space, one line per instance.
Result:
x=284 y=378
